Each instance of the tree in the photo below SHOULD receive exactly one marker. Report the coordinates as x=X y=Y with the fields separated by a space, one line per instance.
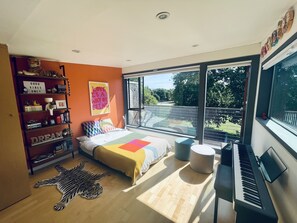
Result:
x=163 y=94
x=225 y=89
x=186 y=89
x=227 y=83
x=149 y=98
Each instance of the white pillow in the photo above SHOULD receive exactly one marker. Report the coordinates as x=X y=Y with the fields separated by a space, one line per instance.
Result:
x=83 y=138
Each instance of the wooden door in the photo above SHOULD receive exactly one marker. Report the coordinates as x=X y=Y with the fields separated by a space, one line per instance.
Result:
x=14 y=179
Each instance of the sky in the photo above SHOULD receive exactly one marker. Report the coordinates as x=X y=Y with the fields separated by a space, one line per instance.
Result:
x=159 y=81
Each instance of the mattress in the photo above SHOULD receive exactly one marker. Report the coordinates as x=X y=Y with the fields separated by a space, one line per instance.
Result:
x=126 y=151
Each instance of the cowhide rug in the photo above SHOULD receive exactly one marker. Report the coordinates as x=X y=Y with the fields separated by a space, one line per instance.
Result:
x=72 y=182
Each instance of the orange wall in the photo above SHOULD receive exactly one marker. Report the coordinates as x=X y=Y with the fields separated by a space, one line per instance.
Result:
x=79 y=76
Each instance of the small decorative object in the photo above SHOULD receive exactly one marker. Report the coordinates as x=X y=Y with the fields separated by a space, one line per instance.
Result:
x=66 y=116
x=99 y=98
x=264 y=116
x=51 y=73
x=49 y=107
x=274 y=39
x=25 y=90
x=36 y=140
x=66 y=132
x=61 y=104
x=280 y=29
x=62 y=118
x=31 y=108
x=52 y=121
x=33 y=124
x=45 y=123
x=58 y=119
x=61 y=88
x=34 y=65
x=75 y=181
x=283 y=26
x=54 y=90
x=35 y=87
x=289 y=18
x=28 y=73
x=269 y=43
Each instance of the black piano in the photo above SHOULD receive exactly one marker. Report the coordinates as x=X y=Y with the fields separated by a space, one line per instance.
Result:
x=240 y=180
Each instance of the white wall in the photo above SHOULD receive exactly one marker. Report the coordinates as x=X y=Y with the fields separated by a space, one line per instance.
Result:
x=283 y=191
x=198 y=58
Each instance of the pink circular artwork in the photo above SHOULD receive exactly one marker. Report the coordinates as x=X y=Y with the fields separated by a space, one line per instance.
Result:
x=99 y=98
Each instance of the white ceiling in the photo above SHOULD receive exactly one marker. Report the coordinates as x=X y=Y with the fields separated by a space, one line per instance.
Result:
x=110 y=32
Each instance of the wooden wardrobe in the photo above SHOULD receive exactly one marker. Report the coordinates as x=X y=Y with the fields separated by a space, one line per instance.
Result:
x=14 y=177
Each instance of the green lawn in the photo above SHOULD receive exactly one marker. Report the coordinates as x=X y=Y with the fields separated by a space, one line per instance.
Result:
x=229 y=127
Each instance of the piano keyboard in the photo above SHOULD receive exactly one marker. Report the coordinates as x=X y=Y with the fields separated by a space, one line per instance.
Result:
x=248 y=183
x=250 y=195
x=246 y=186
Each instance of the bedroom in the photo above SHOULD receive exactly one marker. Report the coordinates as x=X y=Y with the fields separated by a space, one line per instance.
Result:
x=80 y=71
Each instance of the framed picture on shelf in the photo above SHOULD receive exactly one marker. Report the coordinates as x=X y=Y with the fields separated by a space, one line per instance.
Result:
x=61 y=104
x=99 y=98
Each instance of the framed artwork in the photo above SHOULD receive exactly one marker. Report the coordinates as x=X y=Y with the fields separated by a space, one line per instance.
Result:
x=99 y=98
x=61 y=104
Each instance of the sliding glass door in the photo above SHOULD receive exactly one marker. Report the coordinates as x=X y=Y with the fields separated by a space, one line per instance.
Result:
x=225 y=104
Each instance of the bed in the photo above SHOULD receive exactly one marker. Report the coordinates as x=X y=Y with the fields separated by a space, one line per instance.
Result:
x=129 y=152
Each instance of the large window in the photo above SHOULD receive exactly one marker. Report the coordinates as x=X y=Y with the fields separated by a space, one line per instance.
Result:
x=283 y=108
x=277 y=98
x=169 y=101
x=206 y=101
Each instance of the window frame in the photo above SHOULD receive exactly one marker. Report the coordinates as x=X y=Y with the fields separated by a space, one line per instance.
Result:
x=283 y=135
x=203 y=66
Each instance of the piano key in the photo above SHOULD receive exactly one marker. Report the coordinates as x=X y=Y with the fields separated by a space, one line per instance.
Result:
x=252 y=199
x=249 y=185
x=251 y=191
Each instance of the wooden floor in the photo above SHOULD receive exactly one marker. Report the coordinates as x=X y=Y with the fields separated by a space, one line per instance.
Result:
x=169 y=192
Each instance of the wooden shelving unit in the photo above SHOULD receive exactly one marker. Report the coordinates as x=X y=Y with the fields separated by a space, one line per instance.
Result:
x=51 y=138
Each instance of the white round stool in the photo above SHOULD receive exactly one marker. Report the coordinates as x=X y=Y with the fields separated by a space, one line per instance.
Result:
x=202 y=158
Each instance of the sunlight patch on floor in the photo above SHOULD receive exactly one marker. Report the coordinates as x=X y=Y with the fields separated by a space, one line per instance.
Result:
x=169 y=196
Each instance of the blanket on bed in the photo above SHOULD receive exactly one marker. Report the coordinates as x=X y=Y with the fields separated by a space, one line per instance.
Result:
x=132 y=154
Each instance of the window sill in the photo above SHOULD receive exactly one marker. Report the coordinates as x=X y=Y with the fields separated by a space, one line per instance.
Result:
x=285 y=137
x=161 y=131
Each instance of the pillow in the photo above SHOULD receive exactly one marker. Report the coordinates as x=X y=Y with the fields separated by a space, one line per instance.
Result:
x=106 y=125
x=91 y=128
x=82 y=138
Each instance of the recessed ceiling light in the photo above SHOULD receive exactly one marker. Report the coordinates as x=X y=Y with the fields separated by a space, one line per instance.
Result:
x=195 y=45
x=128 y=60
x=76 y=51
x=162 y=15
